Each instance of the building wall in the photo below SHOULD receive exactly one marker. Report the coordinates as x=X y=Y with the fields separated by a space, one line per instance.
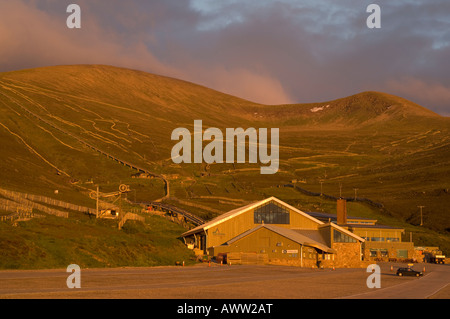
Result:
x=348 y=255
x=326 y=234
x=279 y=249
x=393 y=250
x=262 y=241
x=235 y=226
x=283 y=251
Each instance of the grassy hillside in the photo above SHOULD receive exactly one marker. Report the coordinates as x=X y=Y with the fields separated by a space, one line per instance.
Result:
x=391 y=150
x=55 y=243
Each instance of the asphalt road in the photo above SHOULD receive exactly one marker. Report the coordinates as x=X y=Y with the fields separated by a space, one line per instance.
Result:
x=434 y=283
x=225 y=282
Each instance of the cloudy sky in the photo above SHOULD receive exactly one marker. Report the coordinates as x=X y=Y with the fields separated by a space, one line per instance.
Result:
x=267 y=51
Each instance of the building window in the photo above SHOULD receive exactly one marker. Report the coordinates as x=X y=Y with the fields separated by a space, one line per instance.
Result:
x=339 y=237
x=384 y=253
x=326 y=256
x=373 y=252
x=271 y=213
x=392 y=239
x=377 y=239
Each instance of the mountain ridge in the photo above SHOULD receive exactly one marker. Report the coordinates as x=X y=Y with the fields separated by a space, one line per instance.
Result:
x=390 y=149
x=175 y=95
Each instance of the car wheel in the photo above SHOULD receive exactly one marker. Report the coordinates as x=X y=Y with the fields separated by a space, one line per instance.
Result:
x=417 y=275
x=400 y=274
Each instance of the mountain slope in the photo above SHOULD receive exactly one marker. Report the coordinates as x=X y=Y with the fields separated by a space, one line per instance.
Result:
x=141 y=94
x=390 y=149
x=363 y=109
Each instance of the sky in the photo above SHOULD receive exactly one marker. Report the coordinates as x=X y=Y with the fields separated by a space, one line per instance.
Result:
x=266 y=51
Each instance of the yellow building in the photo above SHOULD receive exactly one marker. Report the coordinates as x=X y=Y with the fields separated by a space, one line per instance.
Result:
x=276 y=232
x=381 y=242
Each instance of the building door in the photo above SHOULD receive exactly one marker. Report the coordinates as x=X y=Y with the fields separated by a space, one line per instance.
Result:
x=202 y=243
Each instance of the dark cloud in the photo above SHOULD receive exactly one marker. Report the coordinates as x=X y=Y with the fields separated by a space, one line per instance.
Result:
x=267 y=51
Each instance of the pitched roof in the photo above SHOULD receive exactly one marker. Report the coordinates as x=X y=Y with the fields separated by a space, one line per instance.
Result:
x=334 y=216
x=373 y=226
x=342 y=229
x=313 y=234
x=235 y=212
x=314 y=239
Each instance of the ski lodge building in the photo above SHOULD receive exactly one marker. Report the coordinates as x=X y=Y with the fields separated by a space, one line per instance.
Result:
x=272 y=231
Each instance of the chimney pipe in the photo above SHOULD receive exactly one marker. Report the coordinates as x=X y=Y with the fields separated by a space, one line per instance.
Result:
x=341 y=211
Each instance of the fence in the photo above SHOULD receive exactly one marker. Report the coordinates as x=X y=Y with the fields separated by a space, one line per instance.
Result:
x=19 y=215
x=10 y=206
x=350 y=199
x=26 y=202
x=51 y=201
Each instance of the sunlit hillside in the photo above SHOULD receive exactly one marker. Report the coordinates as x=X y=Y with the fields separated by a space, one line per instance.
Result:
x=372 y=145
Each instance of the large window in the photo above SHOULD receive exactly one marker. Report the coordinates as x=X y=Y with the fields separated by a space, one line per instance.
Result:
x=342 y=238
x=271 y=213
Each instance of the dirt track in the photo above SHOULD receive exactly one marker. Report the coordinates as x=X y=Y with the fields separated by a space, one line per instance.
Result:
x=224 y=282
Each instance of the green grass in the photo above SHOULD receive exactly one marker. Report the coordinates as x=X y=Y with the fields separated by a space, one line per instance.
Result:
x=56 y=243
x=392 y=150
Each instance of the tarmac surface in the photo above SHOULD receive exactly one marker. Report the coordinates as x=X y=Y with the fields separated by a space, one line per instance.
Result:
x=227 y=282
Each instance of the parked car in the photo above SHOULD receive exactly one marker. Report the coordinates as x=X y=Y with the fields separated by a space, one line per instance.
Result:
x=408 y=272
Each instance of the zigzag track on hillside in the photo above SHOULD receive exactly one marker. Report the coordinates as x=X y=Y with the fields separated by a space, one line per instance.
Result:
x=99 y=137
x=12 y=88
x=53 y=135
x=33 y=150
x=113 y=128
x=410 y=139
x=51 y=94
x=94 y=125
x=87 y=144
x=39 y=91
